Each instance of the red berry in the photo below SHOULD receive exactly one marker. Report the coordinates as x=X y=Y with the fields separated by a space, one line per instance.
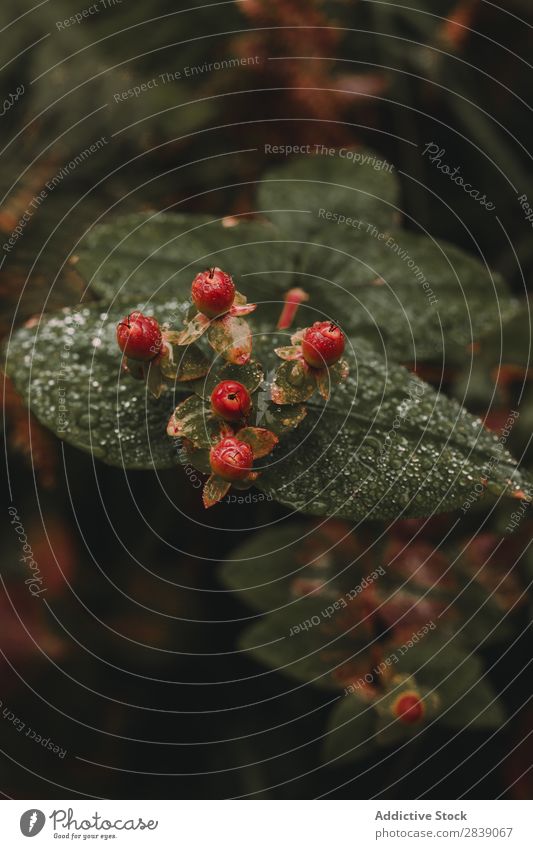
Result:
x=231 y=401
x=139 y=337
x=322 y=344
x=231 y=459
x=409 y=708
x=213 y=292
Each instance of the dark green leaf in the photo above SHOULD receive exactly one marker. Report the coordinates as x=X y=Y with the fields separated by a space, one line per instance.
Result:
x=347 y=458
x=193 y=420
x=68 y=368
x=409 y=295
x=457 y=675
x=276 y=567
x=293 y=383
x=231 y=339
x=155 y=257
x=386 y=445
x=186 y=364
x=414 y=296
x=350 y=733
x=293 y=195
x=302 y=643
x=281 y=419
x=478 y=707
x=250 y=375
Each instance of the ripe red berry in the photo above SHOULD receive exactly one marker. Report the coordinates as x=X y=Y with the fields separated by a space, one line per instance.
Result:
x=213 y=292
x=231 y=401
x=409 y=708
x=139 y=337
x=231 y=459
x=322 y=344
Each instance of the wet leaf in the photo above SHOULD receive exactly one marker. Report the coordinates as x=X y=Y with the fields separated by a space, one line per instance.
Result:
x=195 y=328
x=231 y=338
x=260 y=440
x=387 y=446
x=327 y=378
x=214 y=491
x=155 y=256
x=290 y=352
x=293 y=195
x=186 y=364
x=250 y=375
x=384 y=446
x=293 y=382
x=193 y=420
x=71 y=360
x=281 y=419
x=333 y=229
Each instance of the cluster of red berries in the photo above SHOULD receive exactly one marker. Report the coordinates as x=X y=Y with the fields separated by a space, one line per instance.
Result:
x=140 y=337
x=143 y=341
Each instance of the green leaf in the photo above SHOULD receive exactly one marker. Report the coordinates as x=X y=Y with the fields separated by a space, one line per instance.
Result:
x=296 y=574
x=347 y=458
x=277 y=566
x=193 y=420
x=466 y=695
x=386 y=445
x=156 y=256
x=415 y=296
x=187 y=364
x=350 y=733
x=231 y=339
x=292 y=195
x=410 y=295
x=302 y=643
x=68 y=369
x=281 y=419
x=293 y=383
x=250 y=375
x=478 y=707
x=260 y=440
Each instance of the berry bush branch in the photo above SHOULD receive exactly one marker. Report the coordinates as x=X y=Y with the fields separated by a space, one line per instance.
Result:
x=219 y=429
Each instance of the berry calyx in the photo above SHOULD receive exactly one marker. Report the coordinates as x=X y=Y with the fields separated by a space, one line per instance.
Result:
x=409 y=708
x=213 y=292
x=231 y=459
x=322 y=344
x=231 y=401
x=139 y=337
